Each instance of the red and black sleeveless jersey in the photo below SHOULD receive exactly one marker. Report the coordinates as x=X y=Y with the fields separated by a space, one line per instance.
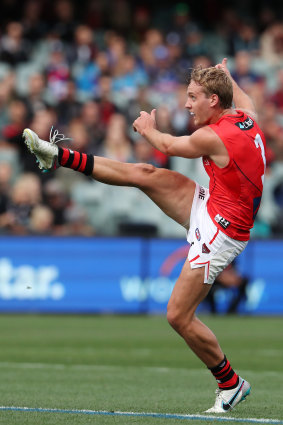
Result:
x=236 y=190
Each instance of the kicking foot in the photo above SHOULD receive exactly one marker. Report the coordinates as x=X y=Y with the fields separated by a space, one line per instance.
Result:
x=46 y=153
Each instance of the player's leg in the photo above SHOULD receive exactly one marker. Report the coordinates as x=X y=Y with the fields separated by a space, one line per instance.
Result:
x=187 y=294
x=189 y=291
x=171 y=191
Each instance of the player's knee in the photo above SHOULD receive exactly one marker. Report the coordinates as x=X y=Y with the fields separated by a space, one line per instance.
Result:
x=175 y=318
x=143 y=174
x=180 y=320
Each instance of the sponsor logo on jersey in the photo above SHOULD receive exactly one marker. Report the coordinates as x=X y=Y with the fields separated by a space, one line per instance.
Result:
x=201 y=194
x=205 y=250
x=222 y=221
x=245 y=125
x=197 y=232
x=206 y=161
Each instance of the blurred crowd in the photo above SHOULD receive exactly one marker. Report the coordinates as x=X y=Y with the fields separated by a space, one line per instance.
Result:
x=88 y=69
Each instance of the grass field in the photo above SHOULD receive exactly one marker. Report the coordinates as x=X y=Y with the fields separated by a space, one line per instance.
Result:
x=131 y=364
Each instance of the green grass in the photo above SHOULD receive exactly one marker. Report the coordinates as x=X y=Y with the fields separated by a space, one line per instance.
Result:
x=130 y=363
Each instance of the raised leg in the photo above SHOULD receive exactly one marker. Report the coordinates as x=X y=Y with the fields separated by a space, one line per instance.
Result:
x=171 y=191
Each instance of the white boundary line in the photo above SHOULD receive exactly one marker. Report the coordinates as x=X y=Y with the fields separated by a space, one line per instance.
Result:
x=143 y=414
x=58 y=366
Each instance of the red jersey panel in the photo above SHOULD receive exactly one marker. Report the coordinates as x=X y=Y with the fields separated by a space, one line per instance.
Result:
x=236 y=190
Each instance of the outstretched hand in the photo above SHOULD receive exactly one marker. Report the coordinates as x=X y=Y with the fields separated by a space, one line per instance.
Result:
x=145 y=121
x=223 y=66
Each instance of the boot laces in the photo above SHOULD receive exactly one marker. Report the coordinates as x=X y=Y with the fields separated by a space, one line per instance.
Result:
x=56 y=137
x=219 y=396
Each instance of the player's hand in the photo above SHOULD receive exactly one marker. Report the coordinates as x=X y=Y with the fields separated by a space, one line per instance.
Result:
x=223 y=66
x=145 y=122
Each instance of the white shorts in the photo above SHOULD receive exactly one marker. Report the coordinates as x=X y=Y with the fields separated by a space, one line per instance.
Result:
x=210 y=247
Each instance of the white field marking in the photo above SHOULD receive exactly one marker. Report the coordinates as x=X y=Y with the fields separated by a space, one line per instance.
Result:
x=25 y=365
x=210 y=418
x=271 y=352
x=35 y=365
x=62 y=366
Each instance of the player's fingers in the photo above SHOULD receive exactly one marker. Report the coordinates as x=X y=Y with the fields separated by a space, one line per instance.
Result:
x=224 y=62
x=153 y=114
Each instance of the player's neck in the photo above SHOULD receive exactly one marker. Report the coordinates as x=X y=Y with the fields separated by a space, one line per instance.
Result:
x=221 y=113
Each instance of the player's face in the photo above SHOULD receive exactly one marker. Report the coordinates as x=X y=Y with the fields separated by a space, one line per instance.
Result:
x=198 y=104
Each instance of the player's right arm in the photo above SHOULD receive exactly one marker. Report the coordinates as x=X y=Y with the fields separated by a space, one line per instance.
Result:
x=203 y=142
x=241 y=100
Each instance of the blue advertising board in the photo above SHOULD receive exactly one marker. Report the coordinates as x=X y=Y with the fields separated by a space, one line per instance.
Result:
x=120 y=275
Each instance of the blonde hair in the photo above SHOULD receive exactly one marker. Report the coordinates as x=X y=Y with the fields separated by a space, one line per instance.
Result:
x=214 y=81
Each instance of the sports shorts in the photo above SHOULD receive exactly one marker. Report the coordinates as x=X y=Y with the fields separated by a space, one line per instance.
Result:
x=209 y=246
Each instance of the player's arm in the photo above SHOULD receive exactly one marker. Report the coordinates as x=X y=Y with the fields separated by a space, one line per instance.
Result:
x=241 y=100
x=202 y=142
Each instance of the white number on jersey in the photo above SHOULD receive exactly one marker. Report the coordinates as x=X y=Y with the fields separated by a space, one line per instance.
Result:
x=259 y=144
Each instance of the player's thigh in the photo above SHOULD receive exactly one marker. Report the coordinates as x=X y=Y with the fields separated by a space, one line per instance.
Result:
x=188 y=292
x=171 y=191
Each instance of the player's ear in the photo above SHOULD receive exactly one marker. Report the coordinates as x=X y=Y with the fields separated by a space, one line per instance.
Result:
x=214 y=99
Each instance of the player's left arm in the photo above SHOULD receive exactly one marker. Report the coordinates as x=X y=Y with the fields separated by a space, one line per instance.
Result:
x=241 y=100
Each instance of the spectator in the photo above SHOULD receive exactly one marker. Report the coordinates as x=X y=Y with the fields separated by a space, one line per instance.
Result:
x=36 y=99
x=80 y=136
x=243 y=73
x=87 y=76
x=64 y=20
x=115 y=48
x=195 y=43
x=34 y=27
x=25 y=195
x=140 y=103
x=84 y=49
x=12 y=131
x=119 y=15
x=117 y=144
x=14 y=49
x=56 y=199
x=6 y=92
x=104 y=99
x=180 y=117
x=277 y=96
x=43 y=120
x=77 y=222
x=144 y=152
x=246 y=39
x=17 y=121
x=68 y=107
x=141 y=22
x=228 y=279
x=276 y=145
x=57 y=72
x=41 y=221
x=271 y=42
x=5 y=191
x=165 y=78
x=128 y=78
x=91 y=118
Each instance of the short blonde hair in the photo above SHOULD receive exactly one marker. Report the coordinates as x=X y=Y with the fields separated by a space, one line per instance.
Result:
x=214 y=81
